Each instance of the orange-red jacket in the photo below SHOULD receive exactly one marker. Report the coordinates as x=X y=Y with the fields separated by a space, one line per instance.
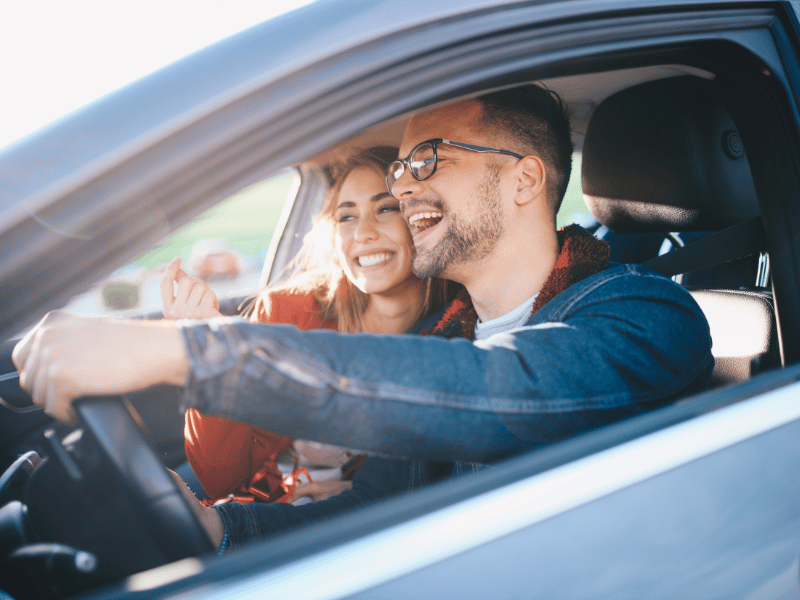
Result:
x=225 y=454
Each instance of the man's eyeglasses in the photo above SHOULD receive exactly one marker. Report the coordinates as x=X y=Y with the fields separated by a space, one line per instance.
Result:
x=421 y=161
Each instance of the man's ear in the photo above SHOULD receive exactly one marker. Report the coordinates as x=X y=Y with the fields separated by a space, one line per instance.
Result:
x=531 y=180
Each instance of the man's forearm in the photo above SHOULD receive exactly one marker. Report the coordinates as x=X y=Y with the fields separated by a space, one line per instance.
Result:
x=581 y=363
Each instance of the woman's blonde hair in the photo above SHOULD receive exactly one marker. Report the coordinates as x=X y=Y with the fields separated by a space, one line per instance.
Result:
x=317 y=269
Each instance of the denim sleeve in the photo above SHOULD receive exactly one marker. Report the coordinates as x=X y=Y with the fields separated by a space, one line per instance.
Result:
x=617 y=344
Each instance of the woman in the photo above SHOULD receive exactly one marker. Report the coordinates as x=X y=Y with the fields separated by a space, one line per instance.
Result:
x=353 y=274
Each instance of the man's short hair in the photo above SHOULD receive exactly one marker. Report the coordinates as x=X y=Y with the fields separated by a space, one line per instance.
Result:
x=538 y=120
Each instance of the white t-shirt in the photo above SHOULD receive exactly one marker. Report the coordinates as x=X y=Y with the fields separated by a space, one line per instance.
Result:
x=516 y=318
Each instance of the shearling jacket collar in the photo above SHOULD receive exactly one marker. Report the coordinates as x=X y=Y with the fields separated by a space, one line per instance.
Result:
x=581 y=255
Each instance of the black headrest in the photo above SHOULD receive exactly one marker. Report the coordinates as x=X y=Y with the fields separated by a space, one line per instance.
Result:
x=665 y=156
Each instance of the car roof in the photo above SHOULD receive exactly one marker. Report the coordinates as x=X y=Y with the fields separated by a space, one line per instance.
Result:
x=189 y=89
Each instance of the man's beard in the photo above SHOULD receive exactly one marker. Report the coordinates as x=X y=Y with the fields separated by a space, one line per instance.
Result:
x=467 y=241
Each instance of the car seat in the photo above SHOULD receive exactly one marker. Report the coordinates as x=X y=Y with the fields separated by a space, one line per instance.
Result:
x=664 y=157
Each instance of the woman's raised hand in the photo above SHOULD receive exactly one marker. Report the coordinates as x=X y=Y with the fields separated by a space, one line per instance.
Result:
x=184 y=297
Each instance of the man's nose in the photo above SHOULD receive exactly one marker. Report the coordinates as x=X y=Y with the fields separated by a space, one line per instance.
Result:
x=405 y=186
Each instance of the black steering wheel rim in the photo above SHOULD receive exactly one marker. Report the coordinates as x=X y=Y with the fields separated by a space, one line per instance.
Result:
x=171 y=522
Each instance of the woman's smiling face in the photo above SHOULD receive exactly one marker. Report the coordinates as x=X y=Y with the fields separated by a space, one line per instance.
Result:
x=371 y=237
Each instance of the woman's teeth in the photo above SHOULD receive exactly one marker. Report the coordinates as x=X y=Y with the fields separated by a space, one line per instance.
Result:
x=423 y=220
x=369 y=260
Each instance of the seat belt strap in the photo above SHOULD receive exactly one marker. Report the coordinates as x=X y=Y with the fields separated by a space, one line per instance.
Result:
x=734 y=242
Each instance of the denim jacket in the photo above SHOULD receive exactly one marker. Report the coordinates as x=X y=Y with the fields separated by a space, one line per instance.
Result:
x=618 y=343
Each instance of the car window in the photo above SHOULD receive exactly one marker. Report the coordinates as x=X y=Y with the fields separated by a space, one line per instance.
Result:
x=573 y=208
x=226 y=246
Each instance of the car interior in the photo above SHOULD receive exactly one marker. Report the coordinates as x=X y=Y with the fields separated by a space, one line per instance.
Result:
x=665 y=157
x=663 y=166
x=665 y=175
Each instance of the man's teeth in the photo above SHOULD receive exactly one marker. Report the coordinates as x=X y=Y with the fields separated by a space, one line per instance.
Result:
x=425 y=219
x=373 y=259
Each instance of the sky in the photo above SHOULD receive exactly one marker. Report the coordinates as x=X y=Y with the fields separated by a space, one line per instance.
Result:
x=59 y=56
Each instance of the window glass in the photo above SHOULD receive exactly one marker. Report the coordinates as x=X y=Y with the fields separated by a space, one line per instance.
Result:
x=573 y=208
x=226 y=246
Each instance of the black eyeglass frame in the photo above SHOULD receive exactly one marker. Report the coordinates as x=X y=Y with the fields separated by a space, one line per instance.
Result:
x=405 y=162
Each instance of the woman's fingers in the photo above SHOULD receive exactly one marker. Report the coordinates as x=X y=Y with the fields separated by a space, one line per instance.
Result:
x=185 y=297
x=183 y=291
x=194 y=299
x=167 y=286
x=209 y=305
x=320 y=490
x=194 y=304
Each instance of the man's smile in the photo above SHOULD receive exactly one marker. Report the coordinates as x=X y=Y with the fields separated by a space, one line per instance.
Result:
x=423 y=220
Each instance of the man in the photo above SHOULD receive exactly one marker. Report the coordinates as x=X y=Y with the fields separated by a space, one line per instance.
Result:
x=565 y=342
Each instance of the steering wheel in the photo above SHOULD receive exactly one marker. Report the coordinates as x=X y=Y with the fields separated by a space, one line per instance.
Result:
x=178 y=531
x=102 y=490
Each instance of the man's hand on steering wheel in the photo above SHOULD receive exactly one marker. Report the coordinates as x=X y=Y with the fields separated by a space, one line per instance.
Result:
x=68 y=356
